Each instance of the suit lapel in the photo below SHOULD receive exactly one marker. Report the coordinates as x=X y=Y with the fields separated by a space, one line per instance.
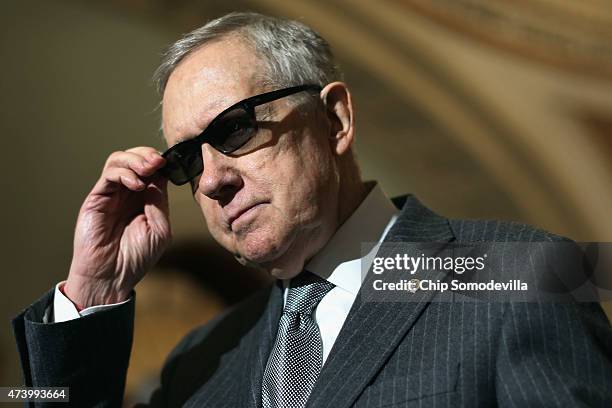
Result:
x=373 y=330
x=237 y=377
x=257 y=345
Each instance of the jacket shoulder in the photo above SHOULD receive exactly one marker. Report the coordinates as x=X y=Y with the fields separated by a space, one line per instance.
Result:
x=195 y=358
x=231 y=321
x=500 y=231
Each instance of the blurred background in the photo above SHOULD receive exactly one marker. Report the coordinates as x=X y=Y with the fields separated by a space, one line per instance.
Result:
x=503 y=110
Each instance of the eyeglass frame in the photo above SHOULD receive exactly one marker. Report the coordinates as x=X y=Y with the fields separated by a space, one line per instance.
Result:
x=248 y=105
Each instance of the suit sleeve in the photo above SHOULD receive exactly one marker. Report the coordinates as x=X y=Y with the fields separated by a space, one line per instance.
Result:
x=164 y=395
x=89 y=355
x=182 y=374
x=554 y=355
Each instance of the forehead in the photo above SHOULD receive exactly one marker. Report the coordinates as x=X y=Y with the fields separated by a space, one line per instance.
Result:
x=207 y=81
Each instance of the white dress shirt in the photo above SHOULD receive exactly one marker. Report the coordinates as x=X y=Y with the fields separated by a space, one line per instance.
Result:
x=339 y=262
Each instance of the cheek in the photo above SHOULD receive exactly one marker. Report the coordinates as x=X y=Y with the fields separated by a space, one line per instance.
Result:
x=294 y=176
x=212 y=216
x=291 y=178
x=310 y=179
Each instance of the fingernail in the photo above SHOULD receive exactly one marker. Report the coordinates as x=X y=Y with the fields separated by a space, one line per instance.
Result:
x=154 y=158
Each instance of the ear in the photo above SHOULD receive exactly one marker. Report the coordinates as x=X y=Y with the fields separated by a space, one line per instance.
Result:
x=339 y=109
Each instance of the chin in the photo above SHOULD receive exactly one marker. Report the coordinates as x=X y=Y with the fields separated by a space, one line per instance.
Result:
x=262 y=245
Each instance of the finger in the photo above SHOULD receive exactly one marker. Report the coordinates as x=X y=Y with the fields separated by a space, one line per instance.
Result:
x=156 y=206
x=115 y=177
x=149 y=153
x=157 y=192
x=133 y=161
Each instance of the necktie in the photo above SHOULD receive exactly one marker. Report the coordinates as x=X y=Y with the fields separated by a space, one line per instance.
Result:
x=297 y=356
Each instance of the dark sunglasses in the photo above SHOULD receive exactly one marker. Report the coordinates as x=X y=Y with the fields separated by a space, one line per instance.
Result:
x=229 y=131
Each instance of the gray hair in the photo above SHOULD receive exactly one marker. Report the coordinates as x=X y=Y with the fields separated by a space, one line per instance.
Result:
x=292 y=53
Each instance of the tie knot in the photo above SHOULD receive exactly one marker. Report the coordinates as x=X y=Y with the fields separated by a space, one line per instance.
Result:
x=305 y=292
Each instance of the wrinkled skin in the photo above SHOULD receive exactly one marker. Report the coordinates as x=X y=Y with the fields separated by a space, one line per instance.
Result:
x=273 y=203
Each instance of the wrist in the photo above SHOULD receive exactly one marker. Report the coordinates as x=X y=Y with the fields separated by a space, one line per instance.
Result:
x=87 y=292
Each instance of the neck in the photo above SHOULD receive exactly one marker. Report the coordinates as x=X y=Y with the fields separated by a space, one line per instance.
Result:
x=351 y=193
x=350 y=200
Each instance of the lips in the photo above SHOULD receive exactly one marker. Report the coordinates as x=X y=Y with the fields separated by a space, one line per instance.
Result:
x=234 y=215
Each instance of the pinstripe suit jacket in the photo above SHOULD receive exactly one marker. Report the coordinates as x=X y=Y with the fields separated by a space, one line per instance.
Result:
x=388 y=354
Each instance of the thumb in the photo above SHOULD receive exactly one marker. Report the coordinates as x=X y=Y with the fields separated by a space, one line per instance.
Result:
x=156 y=206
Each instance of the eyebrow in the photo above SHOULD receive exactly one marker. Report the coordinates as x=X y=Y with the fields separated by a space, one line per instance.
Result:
x=186 y=138
x=267 y=112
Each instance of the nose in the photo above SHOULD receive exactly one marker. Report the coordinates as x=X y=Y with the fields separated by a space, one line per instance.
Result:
x=219 y=180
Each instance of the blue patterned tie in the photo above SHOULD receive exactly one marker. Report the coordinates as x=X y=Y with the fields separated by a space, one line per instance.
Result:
x=296 y=359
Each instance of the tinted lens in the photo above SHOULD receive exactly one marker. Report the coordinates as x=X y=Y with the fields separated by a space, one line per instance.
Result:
x=183 y=162
x=232 y=130
x=226 y=134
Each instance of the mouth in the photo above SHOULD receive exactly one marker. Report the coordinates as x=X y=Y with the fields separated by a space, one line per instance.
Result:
x=243 y=214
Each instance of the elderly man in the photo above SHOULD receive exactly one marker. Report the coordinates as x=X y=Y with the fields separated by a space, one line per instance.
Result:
x=261 y=126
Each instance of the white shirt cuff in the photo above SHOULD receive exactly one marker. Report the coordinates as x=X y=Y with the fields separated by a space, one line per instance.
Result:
x=64 y=309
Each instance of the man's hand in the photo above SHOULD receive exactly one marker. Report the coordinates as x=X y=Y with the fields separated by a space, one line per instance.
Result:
x=122 y=229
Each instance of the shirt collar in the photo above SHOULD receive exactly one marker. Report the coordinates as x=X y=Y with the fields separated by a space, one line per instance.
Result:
x=339 y=262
